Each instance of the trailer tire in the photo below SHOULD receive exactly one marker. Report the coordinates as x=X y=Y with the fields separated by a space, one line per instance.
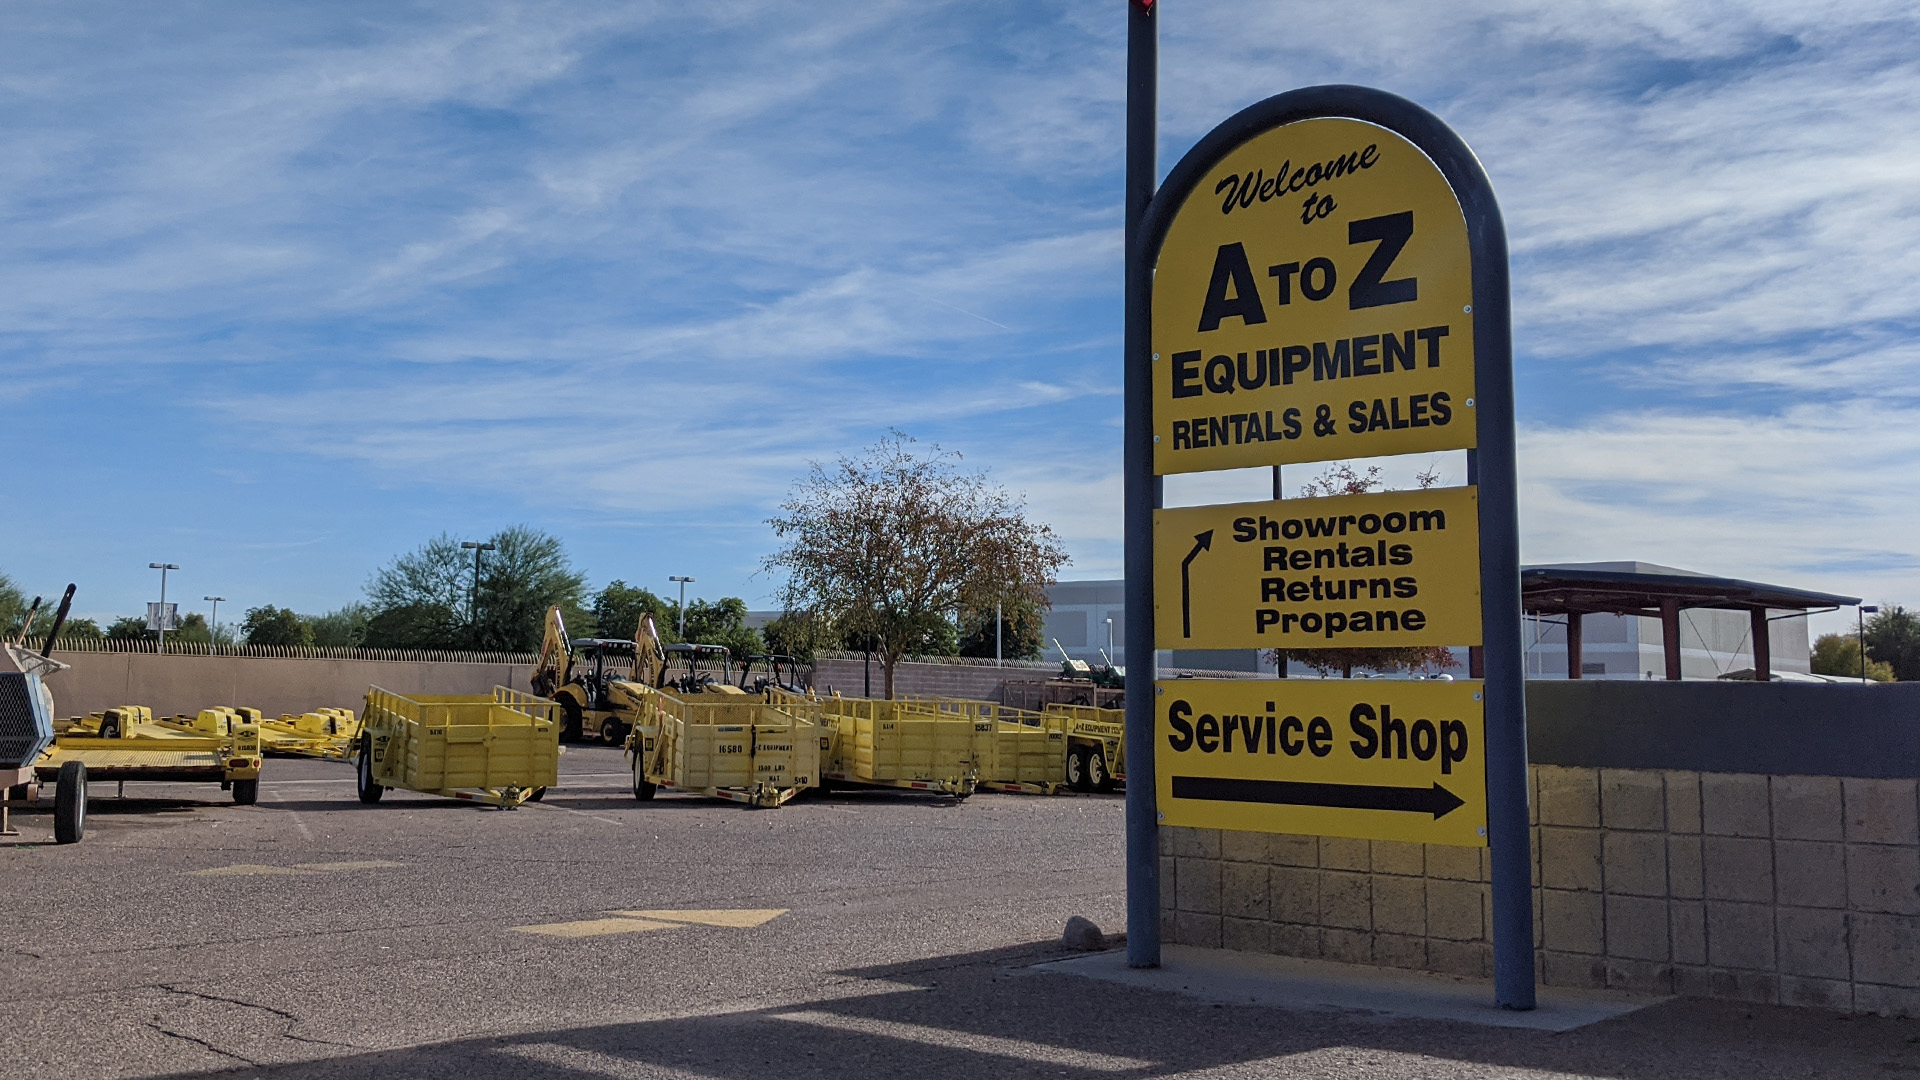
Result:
x=370 y=792
x=1077 y=769
x=1099 y=777
x=246 y=792
x=642 y=790
x=70 y=804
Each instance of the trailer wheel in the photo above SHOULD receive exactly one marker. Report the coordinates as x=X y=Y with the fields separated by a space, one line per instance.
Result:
x=70 y=804
x=370 y=792
x=642 y=790
x=1098 y=776
x=1077 y=769
x=246 y=792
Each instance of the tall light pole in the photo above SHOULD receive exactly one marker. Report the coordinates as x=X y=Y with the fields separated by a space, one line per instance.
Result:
x=997 y=619
x=1861 y=628
x=473 y=601
x=161 y=622
x=683 y=601
x=215 y=617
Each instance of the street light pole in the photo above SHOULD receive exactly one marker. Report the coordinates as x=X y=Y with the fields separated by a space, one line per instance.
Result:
x=161 y=622
x=214 y=618
x=1861 y=614
x=683 y=602
x=997 y=616
x=473 y=602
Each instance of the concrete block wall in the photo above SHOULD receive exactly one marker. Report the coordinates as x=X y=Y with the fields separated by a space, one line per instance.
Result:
x=1797 y=890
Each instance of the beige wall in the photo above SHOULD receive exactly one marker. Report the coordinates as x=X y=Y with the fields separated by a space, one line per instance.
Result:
x=186 y=684
x=1799 y=890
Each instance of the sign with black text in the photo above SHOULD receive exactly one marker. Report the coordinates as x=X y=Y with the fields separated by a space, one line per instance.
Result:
x=1312 y=301
x=1372 y=759
x=1384 y=569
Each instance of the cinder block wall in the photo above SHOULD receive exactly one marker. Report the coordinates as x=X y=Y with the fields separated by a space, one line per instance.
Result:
x=1798 y=890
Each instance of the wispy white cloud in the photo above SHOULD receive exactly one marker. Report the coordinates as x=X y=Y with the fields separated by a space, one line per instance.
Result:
x=628 y=266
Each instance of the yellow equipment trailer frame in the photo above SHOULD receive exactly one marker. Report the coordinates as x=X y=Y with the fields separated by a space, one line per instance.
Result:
x=501 y=749
x=328 y=734
x=217 y=746
x=723 y=745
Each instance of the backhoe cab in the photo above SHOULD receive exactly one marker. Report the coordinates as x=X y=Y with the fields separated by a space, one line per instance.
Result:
x=703 y=670
x=578 y=673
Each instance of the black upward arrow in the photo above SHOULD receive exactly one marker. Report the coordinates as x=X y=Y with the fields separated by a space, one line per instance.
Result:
x=1435 y=800
x=1201 y=542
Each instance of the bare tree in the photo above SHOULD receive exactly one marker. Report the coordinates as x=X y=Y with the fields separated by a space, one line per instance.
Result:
x=887 y=544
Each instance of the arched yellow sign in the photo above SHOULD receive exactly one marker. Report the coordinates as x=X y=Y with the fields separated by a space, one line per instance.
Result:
x=1313 y=301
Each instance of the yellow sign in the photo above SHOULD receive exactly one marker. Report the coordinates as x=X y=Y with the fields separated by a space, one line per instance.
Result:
x=1372 y=759
x=1345 y=572
x=1313 y=300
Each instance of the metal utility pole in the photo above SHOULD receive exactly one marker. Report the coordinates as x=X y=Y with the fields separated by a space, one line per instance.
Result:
x=683 y=602
x=161 y=622
x=1862 y=612
x=997 y=616
x=214 y=619
x=473 y=602
x=1142 y=490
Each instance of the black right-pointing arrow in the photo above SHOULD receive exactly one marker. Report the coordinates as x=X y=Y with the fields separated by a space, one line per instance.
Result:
x=1201 y=542
x=1435 y=800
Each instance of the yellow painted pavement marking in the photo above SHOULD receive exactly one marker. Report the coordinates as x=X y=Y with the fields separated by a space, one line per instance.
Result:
x=627 y=922
x=593 y=927
x=967 y=1040
x=737 y=917
x=255 y=870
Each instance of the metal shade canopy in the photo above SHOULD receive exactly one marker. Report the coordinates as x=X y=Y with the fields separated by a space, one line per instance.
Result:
x=1661 y=592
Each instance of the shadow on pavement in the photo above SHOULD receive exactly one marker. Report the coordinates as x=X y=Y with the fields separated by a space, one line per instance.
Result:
x=986 y=1014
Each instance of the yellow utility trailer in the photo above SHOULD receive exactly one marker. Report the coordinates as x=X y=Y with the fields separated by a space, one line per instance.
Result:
x=720 y=743
x=1096 y=746
x=501 y=749
x=328 y=734
x=920 y=745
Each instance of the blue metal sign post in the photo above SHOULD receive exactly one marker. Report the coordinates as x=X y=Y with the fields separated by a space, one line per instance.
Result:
x=1491 y=467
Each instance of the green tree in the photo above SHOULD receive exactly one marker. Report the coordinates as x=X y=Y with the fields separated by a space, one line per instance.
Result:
x=723 y=622
x=416 y=626
x=618 y=609
x=80 y=630
x=342 y=627
x=13 y=608
x=269 y=625
x=1893 y=636
x=425 y=598
x=527 y=573
x=192 y=630
x=1021 y=629
x=1839 y=654
x=129 y=628
x=799 y=634
x=894 y=544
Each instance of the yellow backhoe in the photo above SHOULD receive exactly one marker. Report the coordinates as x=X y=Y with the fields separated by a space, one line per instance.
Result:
x=578 y=673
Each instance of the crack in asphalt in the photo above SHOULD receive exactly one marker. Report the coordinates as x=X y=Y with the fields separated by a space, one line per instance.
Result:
x=204 y=1044
x=290 y=1018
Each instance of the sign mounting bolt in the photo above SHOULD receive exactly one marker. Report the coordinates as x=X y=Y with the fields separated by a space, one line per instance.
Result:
x=1468 y=310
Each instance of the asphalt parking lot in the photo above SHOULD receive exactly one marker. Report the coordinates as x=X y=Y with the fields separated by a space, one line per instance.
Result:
x=863 y=934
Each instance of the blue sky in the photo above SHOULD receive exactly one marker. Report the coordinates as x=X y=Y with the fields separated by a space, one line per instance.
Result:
x=285 y=290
